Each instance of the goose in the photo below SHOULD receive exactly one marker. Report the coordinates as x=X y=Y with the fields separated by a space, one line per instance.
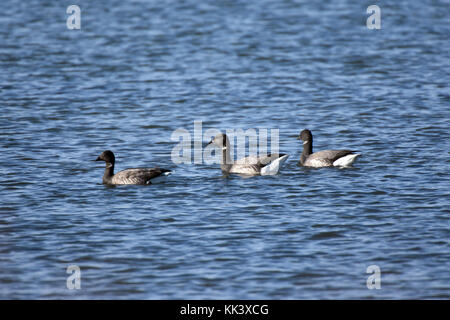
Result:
x=269 y=164
x=324 y=158
x=128 y=176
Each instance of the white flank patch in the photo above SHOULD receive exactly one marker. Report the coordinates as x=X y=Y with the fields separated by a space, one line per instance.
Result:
x=346 y=161
x=274 y=166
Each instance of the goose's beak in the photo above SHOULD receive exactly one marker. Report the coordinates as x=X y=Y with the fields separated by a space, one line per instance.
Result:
x=98 y=159
x=207 y=144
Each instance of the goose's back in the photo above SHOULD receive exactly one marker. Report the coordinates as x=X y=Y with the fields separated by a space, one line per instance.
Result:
x=253 y=164
x=325 y=158
x=250 y=169
x=137 y=175
x=259 y=160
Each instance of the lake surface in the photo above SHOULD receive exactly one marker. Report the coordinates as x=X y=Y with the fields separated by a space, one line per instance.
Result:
x=137 y=71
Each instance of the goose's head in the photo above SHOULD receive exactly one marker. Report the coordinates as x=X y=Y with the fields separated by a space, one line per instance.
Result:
x=306 y=136
x=106 y=156
x=219 y=140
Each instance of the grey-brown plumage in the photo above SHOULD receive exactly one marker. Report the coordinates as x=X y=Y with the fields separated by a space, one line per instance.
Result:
x=253 y=165
x=128 y=176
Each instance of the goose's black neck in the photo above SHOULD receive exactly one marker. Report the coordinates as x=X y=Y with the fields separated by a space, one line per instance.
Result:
x=307 y=150
x=109 y=172
x=226 y=161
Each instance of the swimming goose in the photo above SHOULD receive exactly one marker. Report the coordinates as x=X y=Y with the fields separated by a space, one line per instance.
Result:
x=128 y=176
x=325 y=158
x=269 y=164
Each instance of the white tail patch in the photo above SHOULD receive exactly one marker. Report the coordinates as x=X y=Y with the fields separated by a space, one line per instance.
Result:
x=162 y=177
x=346 y=161
x=274 y=166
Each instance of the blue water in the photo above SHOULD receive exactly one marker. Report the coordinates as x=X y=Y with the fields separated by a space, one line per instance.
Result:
x=138 y=70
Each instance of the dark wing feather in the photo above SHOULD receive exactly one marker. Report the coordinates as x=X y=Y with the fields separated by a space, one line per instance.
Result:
x=265 y=160
x=137 y=176
x=258 y=161
x=330 y=155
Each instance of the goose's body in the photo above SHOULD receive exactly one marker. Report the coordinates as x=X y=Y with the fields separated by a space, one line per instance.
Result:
x=269 y=164
x=264 y=165
x=128 y=176
x=324 y=158
x=136 y=176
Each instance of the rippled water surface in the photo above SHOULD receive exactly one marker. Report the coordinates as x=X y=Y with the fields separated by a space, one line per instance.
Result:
x=138 y=70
